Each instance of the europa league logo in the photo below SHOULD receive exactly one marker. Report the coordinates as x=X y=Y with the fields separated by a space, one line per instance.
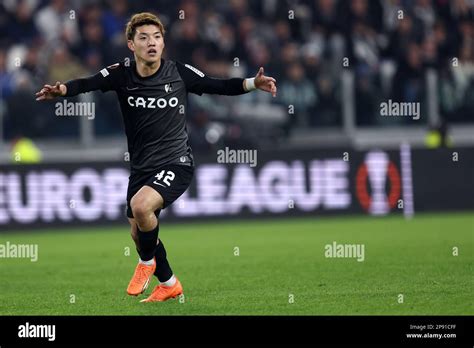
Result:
x=375 y=171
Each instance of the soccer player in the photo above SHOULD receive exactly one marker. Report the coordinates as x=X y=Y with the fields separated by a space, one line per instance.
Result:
x=153 y=94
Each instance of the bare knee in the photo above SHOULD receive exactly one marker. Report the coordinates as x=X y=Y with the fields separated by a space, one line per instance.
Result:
x=140 y=208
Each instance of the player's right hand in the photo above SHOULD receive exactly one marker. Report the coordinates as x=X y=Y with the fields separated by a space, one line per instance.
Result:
x=51 y=92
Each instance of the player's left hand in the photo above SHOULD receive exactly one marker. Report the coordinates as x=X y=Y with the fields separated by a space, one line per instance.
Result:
x=265 y=83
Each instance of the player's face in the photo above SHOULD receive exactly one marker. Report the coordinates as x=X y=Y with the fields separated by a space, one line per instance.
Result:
x=148 y=44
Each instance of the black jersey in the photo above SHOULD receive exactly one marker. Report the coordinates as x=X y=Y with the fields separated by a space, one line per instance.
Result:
x=154 y=107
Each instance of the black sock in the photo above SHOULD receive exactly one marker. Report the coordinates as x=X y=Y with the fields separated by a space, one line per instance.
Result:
x=163 y=270
x=147 y=241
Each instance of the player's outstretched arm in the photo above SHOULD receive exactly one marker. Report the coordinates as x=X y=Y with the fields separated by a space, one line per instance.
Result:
x=107 y=79
x=197 y=82
x=50 y=92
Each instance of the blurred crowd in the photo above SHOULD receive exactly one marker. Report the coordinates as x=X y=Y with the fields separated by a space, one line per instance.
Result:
x=306 y=45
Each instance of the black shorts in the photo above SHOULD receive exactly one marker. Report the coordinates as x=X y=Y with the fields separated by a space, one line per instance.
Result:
x=170 y=181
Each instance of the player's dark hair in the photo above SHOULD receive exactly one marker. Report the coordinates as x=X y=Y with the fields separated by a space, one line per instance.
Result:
x=139 y=19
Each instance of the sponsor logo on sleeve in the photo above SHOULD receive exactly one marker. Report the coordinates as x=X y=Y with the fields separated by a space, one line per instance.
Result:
x=113 y=66
x=200 y=73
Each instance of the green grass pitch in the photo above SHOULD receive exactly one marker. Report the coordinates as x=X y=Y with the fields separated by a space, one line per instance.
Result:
x=280 y=268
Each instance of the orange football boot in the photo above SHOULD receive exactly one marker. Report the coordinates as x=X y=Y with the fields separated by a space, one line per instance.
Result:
x=162 y=292
x=141 y=279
